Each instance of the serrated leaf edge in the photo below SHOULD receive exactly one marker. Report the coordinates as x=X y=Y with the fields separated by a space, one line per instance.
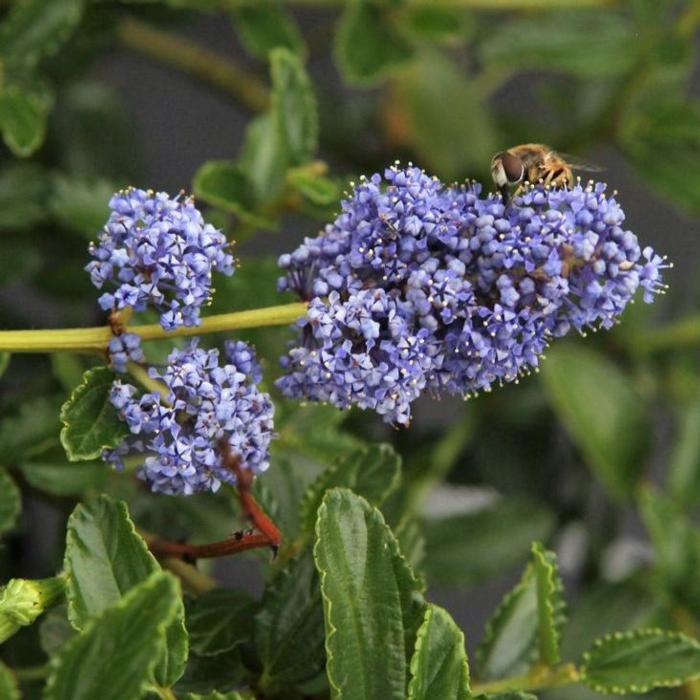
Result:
x=553 y=601
x=327 y=604
x=150 y=582
x=503 y=607
x=635 y=634
x=63 y=416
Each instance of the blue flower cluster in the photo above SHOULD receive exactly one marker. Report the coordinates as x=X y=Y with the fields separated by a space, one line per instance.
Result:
x=417 y=286
x=159 y=252
x=205 y=405
x=124 y=348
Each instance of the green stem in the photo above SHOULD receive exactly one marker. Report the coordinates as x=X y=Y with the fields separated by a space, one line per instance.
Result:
x=194 y=579
x=195 y=60
x=539 y=678
x=95 y=339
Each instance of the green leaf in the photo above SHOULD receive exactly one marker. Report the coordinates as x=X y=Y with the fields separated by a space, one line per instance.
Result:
x=115 y=655
x=263 y=156
x=451 y=141
x=265 y=26
x=527 y=623
x=676 y=541
x=371 y=600
x=10 y=502
x=372 y=472
x=438 y=25
x=81 y=204
x=23 y=116
x=105 y=558
x=206 y=674
x=509 y=645
x=59 y=477
x=368 y=46
x=9 y=690
x=219 y=620
x=91 y=423
x=508 y=695
x=439 y=665
x=35 y=29
x=24 y=188
x=32 y=431
x=317 y=188
x=550 y=604
x=55 y=629
x=225 y=185
x=291 y=611
x=586 y=44
x=670 y=125
x=293 y=106
x=464 y=550
x=684 y=463
x=4 y=362
x=602 y=412
x=635 y=662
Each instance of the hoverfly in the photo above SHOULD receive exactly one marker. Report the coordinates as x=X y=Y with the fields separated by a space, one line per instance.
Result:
x=533 y=163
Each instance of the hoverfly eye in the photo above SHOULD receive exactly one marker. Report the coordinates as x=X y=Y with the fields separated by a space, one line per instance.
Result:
x=512 y=167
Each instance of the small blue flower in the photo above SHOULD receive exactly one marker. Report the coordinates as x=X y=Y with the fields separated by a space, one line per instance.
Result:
x=158 y=251
x=417 y=286
x=180 y=438
x=124 y=348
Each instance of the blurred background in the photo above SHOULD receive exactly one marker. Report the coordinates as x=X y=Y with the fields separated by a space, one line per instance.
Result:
x=599 y=454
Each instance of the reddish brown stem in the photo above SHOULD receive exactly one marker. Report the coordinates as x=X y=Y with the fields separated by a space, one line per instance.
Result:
x=233 y=545
x=268 y=534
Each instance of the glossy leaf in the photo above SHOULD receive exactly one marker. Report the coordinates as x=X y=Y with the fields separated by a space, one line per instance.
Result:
x=373 y=473
x=31 y=431
x=90 y=422
x=317 y=188
x=23 y=191
x=509 y=645
x=37 y=28
x=293 y=106
x=684 y=464
x=114 y=656
x=225 y=185
x=265 y=26
x=368 y=45
x=598 y=403
x=438 y=25
x=10 y=502
x=105 y=558
x=463 y=550
x=81 y=204
x=670 y=125
x=635 y=662
x=371 y=600
x=451 y=141
x=585 y=44
x=59 y=477
x=219 y=620
x=439 y=664
x=676 y=542
x=291 y=611
x=23 y=115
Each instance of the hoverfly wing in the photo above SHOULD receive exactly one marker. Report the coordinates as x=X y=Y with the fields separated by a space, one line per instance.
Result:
x=576 y=163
